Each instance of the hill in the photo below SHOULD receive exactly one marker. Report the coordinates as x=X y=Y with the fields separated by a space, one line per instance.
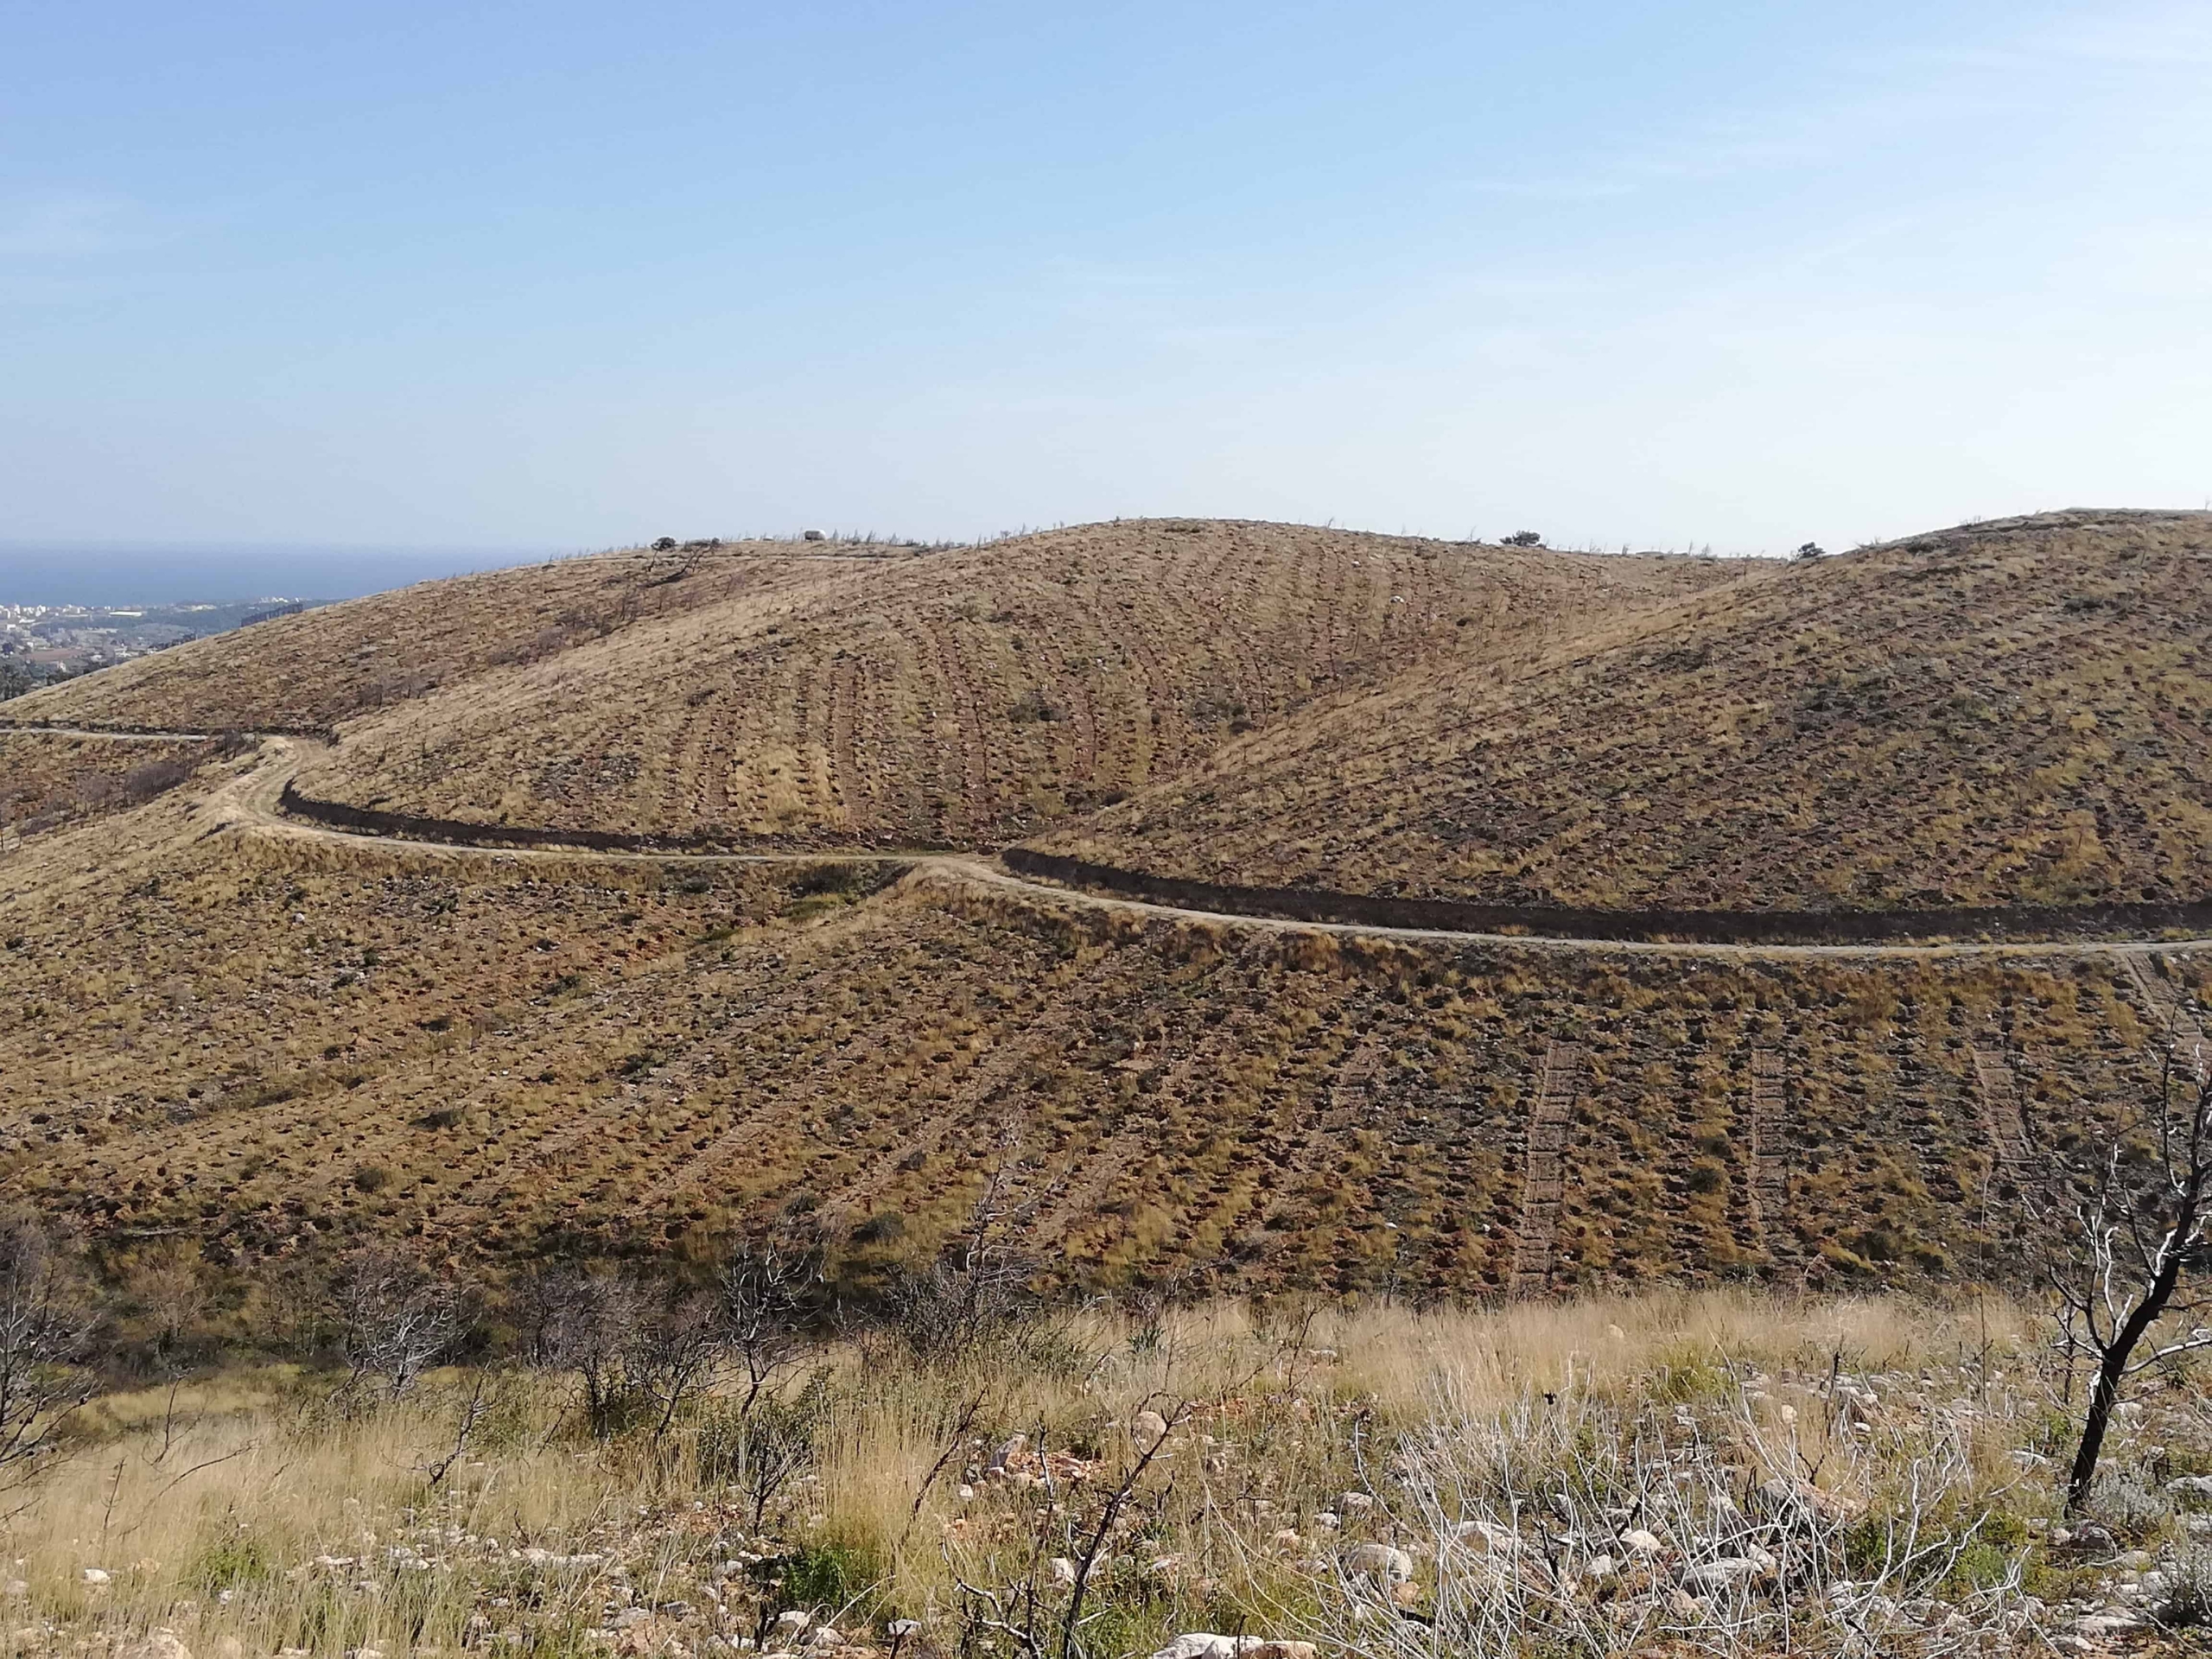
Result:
x=966 y=696
x=263 y=1040
x=2014 y=712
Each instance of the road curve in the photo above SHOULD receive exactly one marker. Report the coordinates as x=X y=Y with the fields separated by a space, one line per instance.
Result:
x=249 y=801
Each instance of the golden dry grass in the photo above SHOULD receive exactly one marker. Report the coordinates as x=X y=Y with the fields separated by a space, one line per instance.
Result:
x=275 y=1047
x=969 y=696
x=247 y=1515
x=2014 y=712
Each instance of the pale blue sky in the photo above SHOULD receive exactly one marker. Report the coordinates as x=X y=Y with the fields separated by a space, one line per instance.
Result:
x=566 y=274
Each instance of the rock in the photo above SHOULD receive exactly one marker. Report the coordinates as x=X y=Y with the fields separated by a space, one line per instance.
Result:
x=1637 y=1541
x=161 y=1644
x=1600 y=1567
x=1287 y=1539
x=793 y=1622
x=824 y=1636
x=966 y=1494
x=1487 y=1538
x=1718 y=1575
x=1327 y=1520
x=1382 y=1562
x=1062 y=1572
x=900 y=1629
x=1354 y=1503
x=2091 y=1536
x=630 y=1616
x=1148 y=1427
x=2097 y=1626
x=96 y=1575
x=1799 y=1503
x=2190 y=1486
x=1200 y=1644
x=1013 y=1447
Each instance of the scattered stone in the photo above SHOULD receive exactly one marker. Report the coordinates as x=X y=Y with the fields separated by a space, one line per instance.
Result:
x=793 y=1623
x=900 y=1629
x=824 y=1636
x=2097 y=1626
x=630 y=1616
x=1487 y=1538
x=1148 y=1427
x=1200 y=1644
x=1062 y=1572
x=96 y=1575
x=1354 y=1503
x=2190 y=1486
x=1721 y=1574
x=1384 y=1563
x=1014 y=1446
x=1637 y=1541
x=162 y=1644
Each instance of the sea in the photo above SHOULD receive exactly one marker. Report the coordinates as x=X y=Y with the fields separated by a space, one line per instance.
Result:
x=152 y=573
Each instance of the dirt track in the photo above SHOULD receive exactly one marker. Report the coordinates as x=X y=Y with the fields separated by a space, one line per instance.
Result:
x=250 y=801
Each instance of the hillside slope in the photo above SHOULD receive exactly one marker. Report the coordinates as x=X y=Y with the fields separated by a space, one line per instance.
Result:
x=275 y=1048
x=969 y=696
x=320 y=667
x=2018 y=711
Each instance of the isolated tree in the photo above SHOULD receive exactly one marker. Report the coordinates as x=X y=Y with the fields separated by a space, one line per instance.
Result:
x=2135 y=1230
x=44 y=1326
x=980 y=1286
x=397 y=1318
x=1807 y=551
x=638 y=1349
x=764 y=1295
x=1525 y=538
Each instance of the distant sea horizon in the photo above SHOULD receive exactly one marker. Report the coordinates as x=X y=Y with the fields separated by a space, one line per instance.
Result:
x=217 y=573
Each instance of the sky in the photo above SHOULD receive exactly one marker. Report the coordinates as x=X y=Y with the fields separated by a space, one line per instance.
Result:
x=559 y=276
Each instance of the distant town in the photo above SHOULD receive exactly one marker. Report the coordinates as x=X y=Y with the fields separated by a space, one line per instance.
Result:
x=39 y=643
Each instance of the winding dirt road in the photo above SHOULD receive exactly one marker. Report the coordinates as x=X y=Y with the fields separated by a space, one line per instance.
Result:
x=251 y=802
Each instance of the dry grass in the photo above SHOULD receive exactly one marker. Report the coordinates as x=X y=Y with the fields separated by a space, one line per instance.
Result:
x=2007 y=713
x=47 y=780
x=248 y=1510
x=272 y=1048
x=962 y=695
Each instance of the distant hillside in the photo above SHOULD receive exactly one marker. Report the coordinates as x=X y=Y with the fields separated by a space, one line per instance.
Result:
x=2015 y=711
x=263 y=1040
x=968 y=696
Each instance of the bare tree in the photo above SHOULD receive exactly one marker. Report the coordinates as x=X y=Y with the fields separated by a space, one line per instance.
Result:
x=639 y=1350
x=764 y=1292
x=2137 y=1226
x=980 y=1285
x=397 y=1318
x=44 y=1324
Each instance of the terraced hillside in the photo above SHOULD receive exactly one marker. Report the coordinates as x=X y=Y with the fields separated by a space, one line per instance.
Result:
x=52 y=779
x=967 y=696
x=276 y=1047
x=270 y=1040
x=2016 y=712
x=324 y=666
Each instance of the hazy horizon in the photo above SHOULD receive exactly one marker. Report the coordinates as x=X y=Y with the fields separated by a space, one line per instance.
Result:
x=127 y=573
x=1664 y=272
